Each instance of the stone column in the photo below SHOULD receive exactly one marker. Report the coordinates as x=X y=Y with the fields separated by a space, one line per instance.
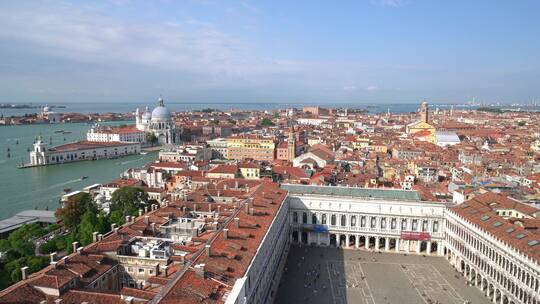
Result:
x=338 y=239
x=347 y=241
x=386 y=244
x=366 y=242
x=428 y=248
x=357 y=238
x=377 y=243
x=397 y=245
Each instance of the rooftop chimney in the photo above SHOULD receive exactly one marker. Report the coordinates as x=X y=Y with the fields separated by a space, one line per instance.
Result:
x=128 y=218
x=100 y=237
x=113 y=226
x=24 y=272
x=209 y=207
x=208 y=251
x=183 y=258
x=164 y=270
x=145 y=209
x=53 y=257
x=140 y=212
x=75 y=245
x=237 y=222
x=199 y=270
x=95 y=236
x=226 y=233
x=215 y=225
x=146 y=219
x=153 y=228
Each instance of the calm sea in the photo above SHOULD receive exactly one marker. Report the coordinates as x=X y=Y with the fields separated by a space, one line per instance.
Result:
x=42 y=187
x=181 y=107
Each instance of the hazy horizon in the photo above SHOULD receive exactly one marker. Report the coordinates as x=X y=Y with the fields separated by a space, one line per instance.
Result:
x=207 y=51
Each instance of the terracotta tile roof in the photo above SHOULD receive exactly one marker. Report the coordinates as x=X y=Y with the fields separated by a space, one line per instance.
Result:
x=478 y=213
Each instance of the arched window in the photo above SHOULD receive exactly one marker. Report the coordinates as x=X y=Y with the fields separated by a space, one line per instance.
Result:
x=363 y=221
x=343 y=220
x=393 y=223
x=373 y=222
x=323 y=219
x=295 y=217
x=314 y=218
x=304 y=217
x=414 y=225
x=333 y=220
x=353 y=221
x=435 y=226
x=403 y=224
x=383 y=223
x=424 y=225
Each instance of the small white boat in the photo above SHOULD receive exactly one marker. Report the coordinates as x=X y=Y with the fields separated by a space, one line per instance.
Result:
x=144 y=153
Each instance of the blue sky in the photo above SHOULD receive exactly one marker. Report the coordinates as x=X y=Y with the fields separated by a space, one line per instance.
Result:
x=365 y=51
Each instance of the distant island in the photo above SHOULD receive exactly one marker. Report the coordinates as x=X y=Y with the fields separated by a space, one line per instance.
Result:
x=25 y=106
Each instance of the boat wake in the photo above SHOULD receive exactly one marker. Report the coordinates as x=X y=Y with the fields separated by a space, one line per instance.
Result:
x=130 y=161
x=62 y=184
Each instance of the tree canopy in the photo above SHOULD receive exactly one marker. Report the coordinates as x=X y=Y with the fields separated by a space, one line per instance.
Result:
x=266 y=122
x=72 y=210
x=128 y=200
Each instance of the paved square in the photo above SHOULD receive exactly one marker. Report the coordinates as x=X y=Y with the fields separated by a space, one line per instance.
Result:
x=327 y=275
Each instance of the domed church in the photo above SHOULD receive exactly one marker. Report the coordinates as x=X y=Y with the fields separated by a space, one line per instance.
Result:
x=159 y=123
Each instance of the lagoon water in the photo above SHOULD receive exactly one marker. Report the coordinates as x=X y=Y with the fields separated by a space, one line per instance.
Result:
x=42 y=187
x=119 y=107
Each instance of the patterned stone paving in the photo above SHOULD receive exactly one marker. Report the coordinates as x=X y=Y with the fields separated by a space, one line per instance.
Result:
x=360 y=277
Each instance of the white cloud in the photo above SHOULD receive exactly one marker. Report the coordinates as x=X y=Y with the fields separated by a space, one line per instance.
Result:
x=85 y=34
x=372 y=88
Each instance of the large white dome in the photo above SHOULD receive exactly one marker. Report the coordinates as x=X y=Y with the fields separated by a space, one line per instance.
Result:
x=161 y=113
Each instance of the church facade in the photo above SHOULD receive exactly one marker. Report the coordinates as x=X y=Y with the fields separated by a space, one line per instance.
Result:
x=159 y=123
x=422 y=127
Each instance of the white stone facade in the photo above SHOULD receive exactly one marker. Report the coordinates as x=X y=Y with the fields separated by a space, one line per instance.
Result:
x=159 y=123
x=368 y=224
x=504 y=274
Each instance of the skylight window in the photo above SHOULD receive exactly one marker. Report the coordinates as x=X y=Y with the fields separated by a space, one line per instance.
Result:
x=520 y=236
x=533 y=243
x=510 y=230
x=497 y=224
x=485 y=218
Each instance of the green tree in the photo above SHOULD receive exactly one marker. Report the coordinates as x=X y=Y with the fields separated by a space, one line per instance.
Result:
x=34 y=263
x=90 y=223
x=19 y=243
x=128 y=200
x=151 y=138
x=116 y=217
x=74 y=208
x=266 y=122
